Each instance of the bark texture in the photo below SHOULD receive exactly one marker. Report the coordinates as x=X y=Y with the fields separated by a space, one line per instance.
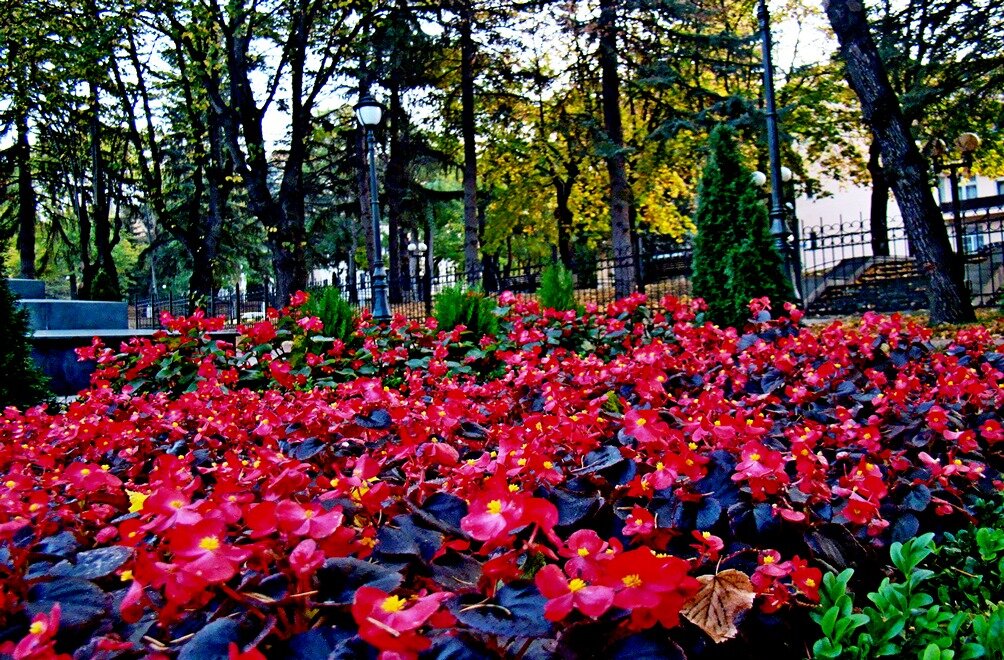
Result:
x=620 y=190
x=905 y=167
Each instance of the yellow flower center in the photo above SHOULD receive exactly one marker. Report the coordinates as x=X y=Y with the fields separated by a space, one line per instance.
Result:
x=308 y=514
x=209 y=543
x=392 y=604
x=126 y=575
x=583 y=552
x=521 y=462
x=576 y=584
x=754 y=457
x=85 y=472
x=768 y=560
x=548 y=465
x=176 y=504
x=10 y=483
x=809 y=582
x=631 y=581
x=37 y=628
x=495 y=507
x=660 y=465
x=640 y=421
x=706 y=535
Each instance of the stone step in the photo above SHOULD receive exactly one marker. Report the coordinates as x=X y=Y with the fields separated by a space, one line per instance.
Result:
x=44 y=314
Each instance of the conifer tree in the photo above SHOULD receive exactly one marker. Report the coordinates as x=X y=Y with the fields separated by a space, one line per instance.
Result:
x=734 y=256
x=22 y=385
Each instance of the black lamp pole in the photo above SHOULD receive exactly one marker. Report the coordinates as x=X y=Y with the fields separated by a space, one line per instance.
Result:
x=369 y=113
x=777 y=224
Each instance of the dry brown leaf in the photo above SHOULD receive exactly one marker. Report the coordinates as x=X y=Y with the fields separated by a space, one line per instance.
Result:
x=718 y=604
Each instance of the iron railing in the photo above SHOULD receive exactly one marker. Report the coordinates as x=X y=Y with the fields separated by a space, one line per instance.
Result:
x=845 y=270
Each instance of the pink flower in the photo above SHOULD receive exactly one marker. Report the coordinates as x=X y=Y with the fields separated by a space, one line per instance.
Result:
x=563 y=595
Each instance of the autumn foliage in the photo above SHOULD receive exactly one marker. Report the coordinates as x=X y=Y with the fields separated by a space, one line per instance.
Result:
x=624 y=482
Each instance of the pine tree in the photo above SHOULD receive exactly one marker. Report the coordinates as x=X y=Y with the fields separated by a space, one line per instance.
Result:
x=734 y=256
x=22 y=385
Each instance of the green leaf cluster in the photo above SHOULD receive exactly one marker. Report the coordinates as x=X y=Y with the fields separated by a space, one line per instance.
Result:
x=557 y=289
x=735 y=259
x=951 y=608
x=471 y=308
x=337 y=315
x=22 y=384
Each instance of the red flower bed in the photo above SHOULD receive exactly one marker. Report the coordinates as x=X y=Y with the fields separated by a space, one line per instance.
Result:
x=628 y=482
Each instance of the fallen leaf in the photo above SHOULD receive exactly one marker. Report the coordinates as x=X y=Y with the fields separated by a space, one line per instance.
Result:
x=718 y=605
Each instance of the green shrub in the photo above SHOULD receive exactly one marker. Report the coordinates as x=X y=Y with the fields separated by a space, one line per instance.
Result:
x=22 y=385
x=471 y=308
x=945 y=602
x=337 y=315
x=557 y=289
x=734 y=255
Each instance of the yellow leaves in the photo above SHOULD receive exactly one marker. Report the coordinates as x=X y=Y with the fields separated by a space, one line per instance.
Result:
x=720 y=602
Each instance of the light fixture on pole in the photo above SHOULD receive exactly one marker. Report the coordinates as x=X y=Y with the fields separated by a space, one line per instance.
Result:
x=967 y=143
x=369 y=113
x=777 y=225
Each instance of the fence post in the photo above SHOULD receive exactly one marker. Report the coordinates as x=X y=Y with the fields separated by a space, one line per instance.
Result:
x=638 y=270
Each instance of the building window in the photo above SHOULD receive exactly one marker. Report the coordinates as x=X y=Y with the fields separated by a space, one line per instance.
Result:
x=1000 y=187
x=973 y=242
x=967 y=189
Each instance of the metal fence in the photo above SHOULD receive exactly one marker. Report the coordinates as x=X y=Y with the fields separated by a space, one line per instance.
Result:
x=845 y=270
x=848 y=268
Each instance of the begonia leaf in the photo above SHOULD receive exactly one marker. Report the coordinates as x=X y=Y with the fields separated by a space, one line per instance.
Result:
x=918 y=498
x=317 y=643
x=378 y=419
x=403 y=537
x=573 y=507
x=455 y=571
x=339 y=578
x=82 y=602
x=905 y=528
x=517 y=610
x=304 y=451
x=63 y=544
x=93 y=564
x=212 y=642
x=456 y=647
x=445 y=508
x=646 y=645
x=600 y=459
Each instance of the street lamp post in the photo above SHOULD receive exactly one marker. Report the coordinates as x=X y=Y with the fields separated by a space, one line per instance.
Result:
x=791 y=252
x=967 y=143
x=417 y=251
x=777 y=225
x=369 y=113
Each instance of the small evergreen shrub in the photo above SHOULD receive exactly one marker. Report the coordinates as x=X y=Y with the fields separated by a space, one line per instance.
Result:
x=22 y=385
x=471 y=308
x=735 y=259
x=337 y=315
x=557 y=289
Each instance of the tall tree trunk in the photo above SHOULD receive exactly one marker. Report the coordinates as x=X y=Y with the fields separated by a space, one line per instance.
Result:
x=106 y=282
x=472 y=236
x=563 y=218
x=25 y=199
x=620 y=190
x=396 y=188
x=905 y=167
x=878 y=219
x=208 y=226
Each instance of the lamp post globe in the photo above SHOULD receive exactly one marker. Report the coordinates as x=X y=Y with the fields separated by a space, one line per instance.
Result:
x=369 y=114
